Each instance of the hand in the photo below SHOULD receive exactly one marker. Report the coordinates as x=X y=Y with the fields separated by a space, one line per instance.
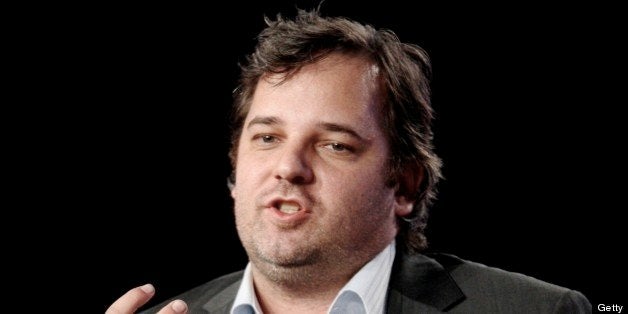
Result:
x=138 y=296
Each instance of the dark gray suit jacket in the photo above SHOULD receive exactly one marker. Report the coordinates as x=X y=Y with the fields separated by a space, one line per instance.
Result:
x=429 y=284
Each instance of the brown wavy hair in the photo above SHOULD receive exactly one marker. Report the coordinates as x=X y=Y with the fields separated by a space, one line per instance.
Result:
x=286 y=45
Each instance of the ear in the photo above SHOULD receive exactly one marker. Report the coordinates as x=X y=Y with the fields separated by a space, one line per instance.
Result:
x=231 y=184
x=408 y=183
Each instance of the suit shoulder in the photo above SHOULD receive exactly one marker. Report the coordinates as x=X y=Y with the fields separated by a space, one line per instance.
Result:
x=511 y=290
x=222 y=282
x=468 y=272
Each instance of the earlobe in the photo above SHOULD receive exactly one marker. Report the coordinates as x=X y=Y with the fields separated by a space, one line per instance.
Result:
x=407 y=188
x=404 y=206
x=231 y=184
x=233 y=190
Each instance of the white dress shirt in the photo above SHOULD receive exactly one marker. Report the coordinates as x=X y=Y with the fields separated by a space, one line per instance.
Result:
x=365 y=293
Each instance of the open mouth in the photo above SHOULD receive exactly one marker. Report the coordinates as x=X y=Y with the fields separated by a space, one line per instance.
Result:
x=288 y=207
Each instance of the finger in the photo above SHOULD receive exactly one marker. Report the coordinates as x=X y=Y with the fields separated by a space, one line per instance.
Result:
x=174 y=307
x=132 y=300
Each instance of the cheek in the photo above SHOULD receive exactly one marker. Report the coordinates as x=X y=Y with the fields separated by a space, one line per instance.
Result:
x=357 y=190
x=244 y=174
x=250 y=163
x=242 y=215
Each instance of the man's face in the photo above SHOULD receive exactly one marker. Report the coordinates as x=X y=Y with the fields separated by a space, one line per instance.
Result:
x=311 y=169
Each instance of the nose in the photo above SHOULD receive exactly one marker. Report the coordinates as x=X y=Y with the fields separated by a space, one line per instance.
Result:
x=294 y=165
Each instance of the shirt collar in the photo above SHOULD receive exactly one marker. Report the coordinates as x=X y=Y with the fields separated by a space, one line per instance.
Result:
x=364 y=293
x=369 y=285
x=246 y=300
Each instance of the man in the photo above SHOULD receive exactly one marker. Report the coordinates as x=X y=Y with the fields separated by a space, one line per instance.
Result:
x=334 y=173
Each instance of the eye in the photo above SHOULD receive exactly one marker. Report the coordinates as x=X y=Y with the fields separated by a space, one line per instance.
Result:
x=268 y=138
x=265 y=140
x=339 y=148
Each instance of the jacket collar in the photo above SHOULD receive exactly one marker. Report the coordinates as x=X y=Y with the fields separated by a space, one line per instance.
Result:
x=418 y=281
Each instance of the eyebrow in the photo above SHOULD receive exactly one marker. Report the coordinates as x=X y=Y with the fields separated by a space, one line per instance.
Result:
x=327 y=126
x=264 y=121
x=335 y=127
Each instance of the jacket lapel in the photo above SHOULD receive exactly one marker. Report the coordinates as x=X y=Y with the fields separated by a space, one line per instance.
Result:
x=222 y=302
x=421 y=284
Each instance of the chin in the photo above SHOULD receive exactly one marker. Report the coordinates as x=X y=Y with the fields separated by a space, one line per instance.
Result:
x=285 y=257
x=287 y=270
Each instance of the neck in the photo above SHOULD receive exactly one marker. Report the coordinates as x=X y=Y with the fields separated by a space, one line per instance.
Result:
x=308 y=288
x=275 y=298
x=305 y=289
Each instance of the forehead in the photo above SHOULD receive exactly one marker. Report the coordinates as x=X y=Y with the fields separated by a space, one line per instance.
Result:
x=337 y=87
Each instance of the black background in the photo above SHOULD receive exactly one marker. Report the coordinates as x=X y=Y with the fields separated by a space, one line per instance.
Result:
x=134 y=144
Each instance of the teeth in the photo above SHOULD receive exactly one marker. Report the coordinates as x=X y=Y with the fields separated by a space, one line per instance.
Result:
x=289 y=208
